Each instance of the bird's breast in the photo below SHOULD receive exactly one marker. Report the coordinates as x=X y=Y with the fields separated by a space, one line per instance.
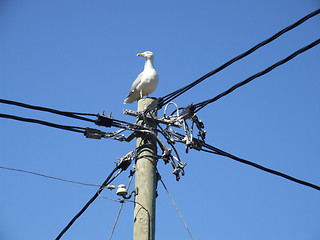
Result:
x=149 y=82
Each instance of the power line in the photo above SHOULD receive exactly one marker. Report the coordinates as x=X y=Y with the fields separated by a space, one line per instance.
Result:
x=120 y=209
x=101 y=119
x=215 y=150
x=122 y=164
x=169 y=97
x=176 y=208
x=46 y=176
x=88 y=132
x=180 y=166
x=105 y=183
x=49 y=124
x=200 y=105
x=51 y=110
x=116 y=221
x=135 y=202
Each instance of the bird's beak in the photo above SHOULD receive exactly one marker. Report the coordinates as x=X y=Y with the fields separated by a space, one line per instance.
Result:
x=140 y=54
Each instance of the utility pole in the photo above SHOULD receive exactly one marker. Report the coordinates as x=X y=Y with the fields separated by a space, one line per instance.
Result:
x=145 y=180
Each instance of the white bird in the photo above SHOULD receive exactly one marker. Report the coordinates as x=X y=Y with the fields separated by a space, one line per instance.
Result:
x=146 y=82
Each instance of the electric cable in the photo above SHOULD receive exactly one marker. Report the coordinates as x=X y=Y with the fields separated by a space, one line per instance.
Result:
x=54 y=111
x=280 y=174
x=135 y=202
x=116 y=221
x=120 y=209
x=111 y=199
x=165 y=135
x=49 y=124
x=127 y=125
x=88 y=132
x=169 y=97
x=46 y=176
x=184 y=222
x=101 y=121
x=105 y=183
x=200 y=105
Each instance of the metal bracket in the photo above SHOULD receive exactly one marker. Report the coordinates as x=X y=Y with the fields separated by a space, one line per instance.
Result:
x=135 y=192
x=104 y=120
x=131 y=136
x=187 y=112
x=156 y=104
x=139 y=115
x=93 y=133
x=125 y=161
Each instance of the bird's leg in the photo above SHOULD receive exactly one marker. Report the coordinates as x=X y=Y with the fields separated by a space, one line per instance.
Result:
x=141 y=94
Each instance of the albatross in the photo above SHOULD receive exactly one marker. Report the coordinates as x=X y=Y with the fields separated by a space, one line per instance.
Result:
x=146 y=82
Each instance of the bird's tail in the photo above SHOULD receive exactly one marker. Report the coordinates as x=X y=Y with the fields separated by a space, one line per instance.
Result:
x=127 y=100
x=131 y=98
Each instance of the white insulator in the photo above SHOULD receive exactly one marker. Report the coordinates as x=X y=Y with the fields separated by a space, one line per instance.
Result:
x=122 y=190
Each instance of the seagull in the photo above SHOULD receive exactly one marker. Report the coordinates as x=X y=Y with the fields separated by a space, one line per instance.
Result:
x=146 y=82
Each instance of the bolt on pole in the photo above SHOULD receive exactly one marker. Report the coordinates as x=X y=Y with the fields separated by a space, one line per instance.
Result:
x=145 y=180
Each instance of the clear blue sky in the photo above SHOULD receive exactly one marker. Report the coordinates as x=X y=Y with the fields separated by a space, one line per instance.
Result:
x=81 y=56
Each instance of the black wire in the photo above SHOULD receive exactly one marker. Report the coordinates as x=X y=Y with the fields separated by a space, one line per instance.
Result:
x=135 y=202
x=115 y=122
x=116 y=221
x=105 y=183
x=54 y=111
x=169 y=97
x=200 y=105
x=164 y=134
x=209 y=151
x=184 y=222
x=46 y=176
x=124 y=124
x=122 y=202
x=49 y=124
x=280 y=174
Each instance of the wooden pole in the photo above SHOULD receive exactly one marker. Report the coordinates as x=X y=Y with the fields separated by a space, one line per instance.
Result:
x=145 y=181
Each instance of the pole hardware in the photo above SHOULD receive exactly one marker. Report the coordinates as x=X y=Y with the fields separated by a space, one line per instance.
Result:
x=93 y=133
x=104 y=120
x=141 y=115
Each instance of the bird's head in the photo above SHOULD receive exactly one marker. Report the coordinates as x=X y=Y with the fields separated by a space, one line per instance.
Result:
x=146 y=54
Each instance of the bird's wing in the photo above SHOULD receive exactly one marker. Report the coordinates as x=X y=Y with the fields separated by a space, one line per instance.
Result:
x=134 y=94
x=136 y=82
